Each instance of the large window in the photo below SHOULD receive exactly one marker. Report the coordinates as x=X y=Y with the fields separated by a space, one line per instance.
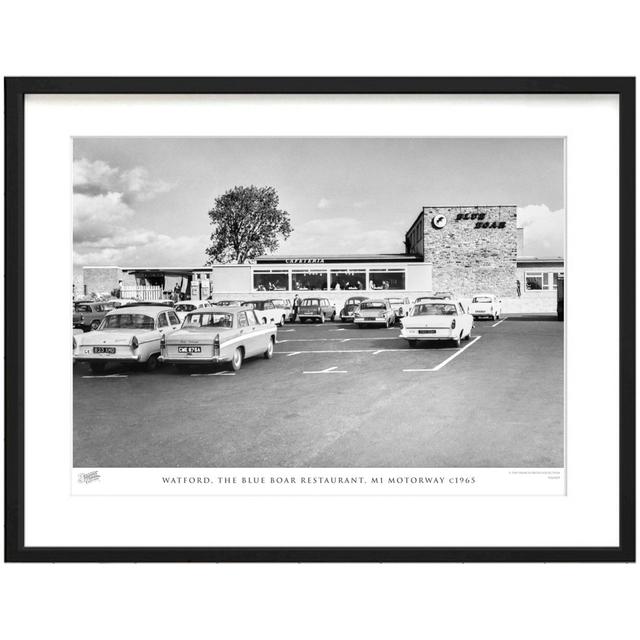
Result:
x=542 y=280
x=348 y=280
x=270 y=280
x=386 y=279
x=309 y=280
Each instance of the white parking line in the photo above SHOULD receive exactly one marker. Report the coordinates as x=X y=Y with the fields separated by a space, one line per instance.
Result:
x=285 y=330
x=448 y=360
x=218 y=373
x=337 y=329
x=374 y=351
x=110 y=375
x=329 y=370
x=335 y=339
x=497 y=323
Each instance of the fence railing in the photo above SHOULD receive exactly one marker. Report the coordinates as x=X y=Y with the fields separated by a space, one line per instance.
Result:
x=142 y=292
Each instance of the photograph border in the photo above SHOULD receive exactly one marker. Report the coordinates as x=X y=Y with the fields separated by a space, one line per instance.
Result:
x=16 y=89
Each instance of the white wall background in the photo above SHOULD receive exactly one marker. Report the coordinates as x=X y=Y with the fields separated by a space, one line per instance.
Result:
x=332 y=38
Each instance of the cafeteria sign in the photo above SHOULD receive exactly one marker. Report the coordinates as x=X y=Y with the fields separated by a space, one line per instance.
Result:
x=304 y=260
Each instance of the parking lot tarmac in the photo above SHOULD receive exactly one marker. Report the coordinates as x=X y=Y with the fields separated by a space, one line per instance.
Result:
x=335 y=395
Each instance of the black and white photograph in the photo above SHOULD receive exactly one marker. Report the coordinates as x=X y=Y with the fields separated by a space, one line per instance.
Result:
x=319 y=303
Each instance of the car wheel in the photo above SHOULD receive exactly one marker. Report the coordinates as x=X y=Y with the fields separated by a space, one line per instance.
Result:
x=468 y=336
x=264 y=321
x=333 y=316
x=322 y=318
x=94 y=325
x=236 y=360
x=413 y=343
x=282 y=321
x=456 y=341
x=268 y=354
x=151 y=363
x=97 y=367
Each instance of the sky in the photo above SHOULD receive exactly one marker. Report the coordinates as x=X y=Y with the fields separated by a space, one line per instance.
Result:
x=144 y=201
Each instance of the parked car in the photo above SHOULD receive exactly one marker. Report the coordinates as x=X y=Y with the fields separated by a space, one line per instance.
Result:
x=485 y=305
x=88 y=315
x=401 y=307
x=351 y=305
x=373 y=312
x=285 y=305
x=427 y=298
x=316 y=309
x=227 y=303
x=130 y=334
x=183 y=308
x=437 y=320
x=219 y=334
x=266 y=311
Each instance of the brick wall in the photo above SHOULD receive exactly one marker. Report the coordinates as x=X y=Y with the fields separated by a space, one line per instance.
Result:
x=475 y=251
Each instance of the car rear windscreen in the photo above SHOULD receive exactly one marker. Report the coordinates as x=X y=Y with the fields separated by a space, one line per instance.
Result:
x=435 y=310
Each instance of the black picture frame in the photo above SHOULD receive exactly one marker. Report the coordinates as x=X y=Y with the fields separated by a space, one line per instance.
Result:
x=15 y=91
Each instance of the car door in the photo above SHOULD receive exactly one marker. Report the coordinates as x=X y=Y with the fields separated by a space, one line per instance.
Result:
x=163 y=328
x=258 y=333
x=247 y=332
x=174 y=321
x=466 y=320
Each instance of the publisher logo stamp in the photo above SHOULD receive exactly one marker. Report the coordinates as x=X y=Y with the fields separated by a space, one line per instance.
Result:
x=86 y=478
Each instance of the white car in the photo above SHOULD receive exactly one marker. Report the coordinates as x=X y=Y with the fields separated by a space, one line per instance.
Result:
x=437 y=320
x=485 y=305
x=285 y=305
x=183 y=308
x=130 y=333
x=267 y=312
x=372 y=312
x=401 y=306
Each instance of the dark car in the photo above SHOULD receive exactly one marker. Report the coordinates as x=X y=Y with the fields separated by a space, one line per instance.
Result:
x=316 y=309
x=350 y=307
x=88 y=315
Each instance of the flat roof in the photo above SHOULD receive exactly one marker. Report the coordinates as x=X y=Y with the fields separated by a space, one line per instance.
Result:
x=535 y=259
x=324 y=258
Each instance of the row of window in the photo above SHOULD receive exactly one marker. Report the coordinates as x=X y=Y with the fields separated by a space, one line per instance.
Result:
x=335 y=280
x=542 y=280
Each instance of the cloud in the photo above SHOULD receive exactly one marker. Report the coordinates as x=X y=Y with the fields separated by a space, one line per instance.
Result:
x=323 y=203
x=544 y=230
x=344 y=235
x=104 y=217
x=142 y=248
x=96 y=217
x=96 y=177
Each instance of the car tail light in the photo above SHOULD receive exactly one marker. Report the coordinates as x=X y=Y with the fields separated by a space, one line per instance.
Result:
x=491 y=309
x=75 y=344
x=134 y=343
x=163 y=340
x=453 y=323
x=216 y=345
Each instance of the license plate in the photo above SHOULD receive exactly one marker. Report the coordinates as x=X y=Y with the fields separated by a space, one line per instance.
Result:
x=189 y=349
x=426 y=330
x=104 y=349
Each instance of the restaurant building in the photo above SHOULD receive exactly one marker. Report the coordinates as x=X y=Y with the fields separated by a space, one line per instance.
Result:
x=464 y=250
